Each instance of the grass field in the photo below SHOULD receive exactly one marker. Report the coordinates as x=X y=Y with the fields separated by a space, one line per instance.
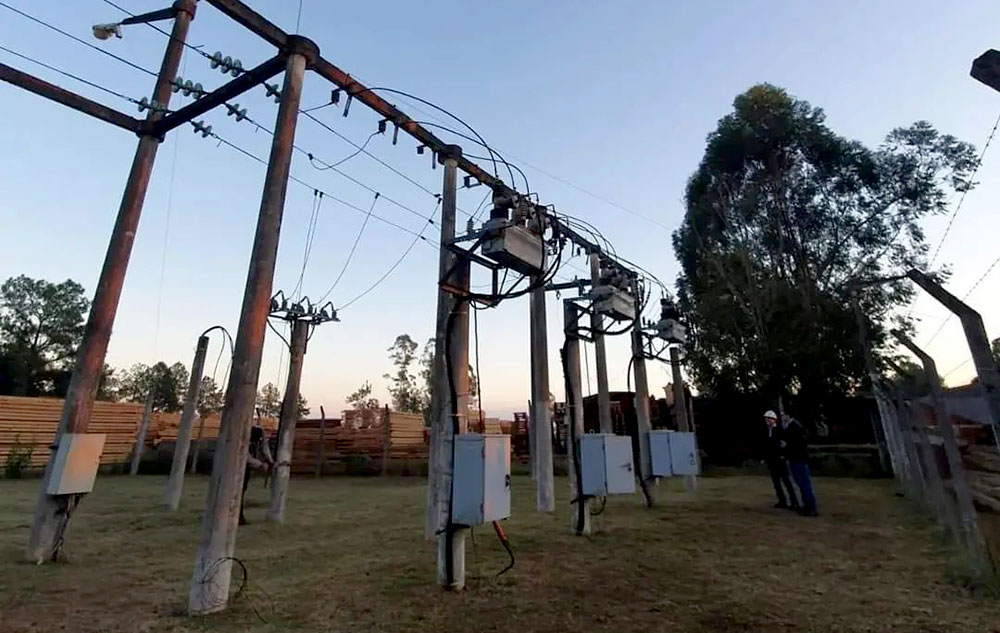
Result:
x=351 y=557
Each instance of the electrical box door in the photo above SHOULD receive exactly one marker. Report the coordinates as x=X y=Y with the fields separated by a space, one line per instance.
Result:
x=74 y=468
x=606 y=464
x=618 y=461
x=683 y=453
x=481 y=479
x=659 y=452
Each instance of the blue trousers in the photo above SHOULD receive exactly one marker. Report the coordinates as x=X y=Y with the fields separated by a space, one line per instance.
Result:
x=800 y=473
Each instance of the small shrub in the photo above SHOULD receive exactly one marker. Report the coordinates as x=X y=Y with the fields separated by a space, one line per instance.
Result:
x=18 y=460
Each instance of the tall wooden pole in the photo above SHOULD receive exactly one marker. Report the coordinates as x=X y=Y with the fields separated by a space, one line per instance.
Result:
x=579 y=507
x=450 y=398
x=217 y=542
x=681 y=407
x=643 y=420
x=979 y=344
x=48 y=528
x=286 y=428
x=140 y=436
x=600 y=353
x=175 y=484
x=971 y=533
x=541 y=407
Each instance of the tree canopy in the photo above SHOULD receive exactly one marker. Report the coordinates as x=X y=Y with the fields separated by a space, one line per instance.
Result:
x=783 y=218
x=41 y=326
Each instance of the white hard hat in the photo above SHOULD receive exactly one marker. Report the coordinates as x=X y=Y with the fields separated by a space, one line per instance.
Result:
x=770 y=414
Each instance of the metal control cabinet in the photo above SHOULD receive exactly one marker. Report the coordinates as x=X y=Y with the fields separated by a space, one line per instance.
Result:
x=673 y=453
x=606 y=464
x=74 y=467
x=482 y=479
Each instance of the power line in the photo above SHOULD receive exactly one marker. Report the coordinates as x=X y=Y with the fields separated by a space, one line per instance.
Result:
x=392 y=268
x=957 y=367
x=958 y=207
x=296 y=179
x=197 y=48
x=989 y=269
x=70 y=75
x=77 y=39
x=350 y=255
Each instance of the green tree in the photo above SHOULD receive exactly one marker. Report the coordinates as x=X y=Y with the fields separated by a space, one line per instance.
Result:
x=210 y=397
x=168 y=382
x=361 y=399
x=782 y=216
x=41 y=326
x=404 y=388
x=303 y=406
x=269 y=401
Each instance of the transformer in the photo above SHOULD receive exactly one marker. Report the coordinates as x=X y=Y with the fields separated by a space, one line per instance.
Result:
x=516 y=248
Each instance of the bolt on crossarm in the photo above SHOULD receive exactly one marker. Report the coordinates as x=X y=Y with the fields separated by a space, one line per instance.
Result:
x=52 y=512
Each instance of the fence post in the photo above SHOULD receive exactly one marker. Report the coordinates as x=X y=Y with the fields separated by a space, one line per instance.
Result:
x=322 y=432
x=386 y=439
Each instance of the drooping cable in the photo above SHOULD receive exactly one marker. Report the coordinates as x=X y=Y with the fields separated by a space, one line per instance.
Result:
x=350 y=255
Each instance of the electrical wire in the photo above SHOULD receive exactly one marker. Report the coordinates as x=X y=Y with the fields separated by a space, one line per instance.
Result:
x=350 y=255
x=78 y=40
x=70 y=75
x=947 y=319
x=492 y=157
x=392 y=268
x=197 y=48
x=317 y=202
x=313 y=161
x=293 y=178
x=958 y=207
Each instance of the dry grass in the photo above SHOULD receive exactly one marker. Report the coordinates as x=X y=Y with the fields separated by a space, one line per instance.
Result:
x=352 y=558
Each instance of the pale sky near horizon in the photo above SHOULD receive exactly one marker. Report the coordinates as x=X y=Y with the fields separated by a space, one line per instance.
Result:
x=612 y=97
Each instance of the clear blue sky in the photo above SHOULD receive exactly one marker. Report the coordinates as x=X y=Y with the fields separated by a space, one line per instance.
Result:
x=615 y=98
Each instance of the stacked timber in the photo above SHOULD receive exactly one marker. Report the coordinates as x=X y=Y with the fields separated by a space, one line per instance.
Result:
x=32 y=423
x=407 y=436
x=982 y=464
x=167 y=425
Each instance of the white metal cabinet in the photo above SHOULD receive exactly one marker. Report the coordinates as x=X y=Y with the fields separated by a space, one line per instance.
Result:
x=683 y=453
x=74 y=468
x=482 y=479
x=673 y=453
x=606 y=464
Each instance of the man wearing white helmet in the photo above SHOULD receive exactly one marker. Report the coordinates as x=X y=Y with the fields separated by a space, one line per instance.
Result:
x=774 y=458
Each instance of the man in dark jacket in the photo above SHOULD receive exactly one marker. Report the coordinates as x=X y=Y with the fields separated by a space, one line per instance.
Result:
x=259 y=458
x=797 y=453
x=774 y=458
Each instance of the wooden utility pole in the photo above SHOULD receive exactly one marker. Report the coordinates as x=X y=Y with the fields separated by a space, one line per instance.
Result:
x=579 y=506
x=450 y=398
x=973 y=537
x=541 y=406
x=600 y=352
x=52 y=512
x=386 y=438
x=979 y=344
x=140 y=436
x=643 y=420
x=322 y=433
x=286 y=428
x=175 y=484
x=681 y=407
x=217 y=542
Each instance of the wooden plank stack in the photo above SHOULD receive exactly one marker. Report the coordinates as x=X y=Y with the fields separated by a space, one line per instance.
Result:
x=163 y=427
x=33 y=422
x=982 y=464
